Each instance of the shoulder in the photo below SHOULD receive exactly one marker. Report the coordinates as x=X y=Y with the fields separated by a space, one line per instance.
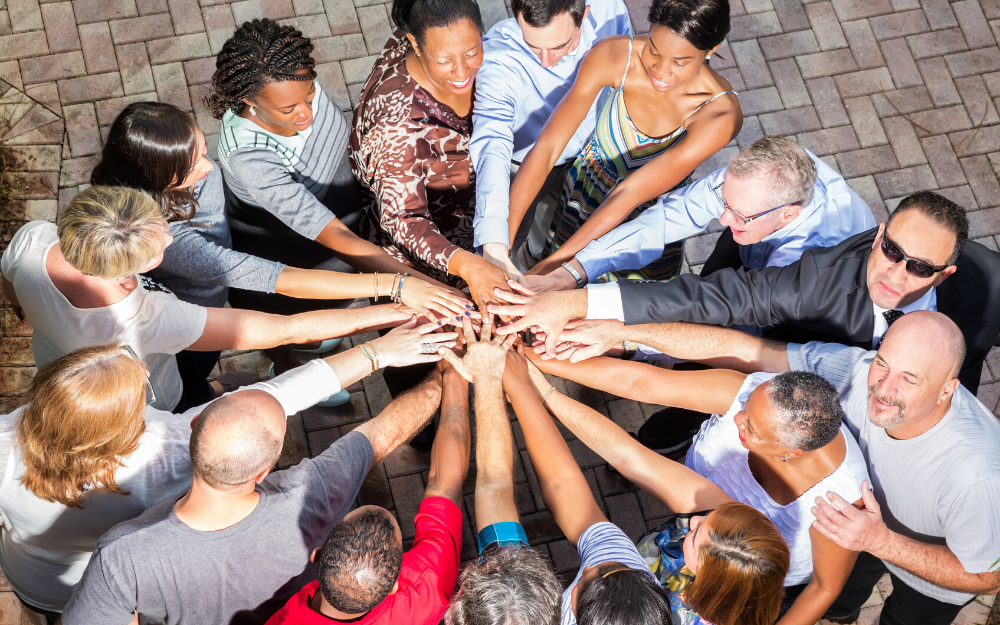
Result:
x=850 y=250
x=135 y=533
x=32 y=235
x=976 y=432
x=977 y=259
x=607 y=12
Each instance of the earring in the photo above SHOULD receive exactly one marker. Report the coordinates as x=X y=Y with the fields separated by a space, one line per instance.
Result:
x=252 y=111
x=708 y=57
x=784 y=459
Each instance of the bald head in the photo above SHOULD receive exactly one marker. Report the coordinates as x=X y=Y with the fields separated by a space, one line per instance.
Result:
x=930 y=338
x=236 y=438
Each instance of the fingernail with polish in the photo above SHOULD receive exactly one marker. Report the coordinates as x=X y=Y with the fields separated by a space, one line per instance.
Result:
x=468 y=314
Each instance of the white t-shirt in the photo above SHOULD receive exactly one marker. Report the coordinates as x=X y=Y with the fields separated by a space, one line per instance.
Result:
x=599 y=543
x=718 y=454
x=155 y=325
x=45 y=546
x=942 y=487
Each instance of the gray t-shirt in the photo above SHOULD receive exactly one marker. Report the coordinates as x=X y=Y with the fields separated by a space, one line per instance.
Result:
x=200 y=265
x=942 y=487
x=173 y=574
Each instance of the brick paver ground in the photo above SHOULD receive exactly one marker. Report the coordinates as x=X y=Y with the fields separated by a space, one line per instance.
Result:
x=898 y=95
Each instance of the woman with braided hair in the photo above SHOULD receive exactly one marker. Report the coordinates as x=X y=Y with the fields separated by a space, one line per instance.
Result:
x=290 y=195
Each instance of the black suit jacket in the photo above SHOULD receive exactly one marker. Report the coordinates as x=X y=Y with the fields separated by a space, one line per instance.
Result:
x=823 y=297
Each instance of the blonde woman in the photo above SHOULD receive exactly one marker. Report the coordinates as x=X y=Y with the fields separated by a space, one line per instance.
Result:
x=88 y=451
x=80 y=285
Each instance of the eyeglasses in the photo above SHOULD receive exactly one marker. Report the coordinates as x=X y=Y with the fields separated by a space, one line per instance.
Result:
x=914 y=266
x=718 y=192
x=150 y=394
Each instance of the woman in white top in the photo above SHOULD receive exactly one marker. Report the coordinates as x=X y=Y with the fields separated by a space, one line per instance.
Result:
x=88 y=452
x=775 y=442
x=79 y=285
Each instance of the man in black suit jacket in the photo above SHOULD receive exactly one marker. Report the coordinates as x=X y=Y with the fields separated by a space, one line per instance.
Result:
x=831 y=294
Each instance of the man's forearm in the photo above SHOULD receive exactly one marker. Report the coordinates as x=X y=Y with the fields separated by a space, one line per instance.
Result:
x=403 y=417
x=936 y=564
x=450 y=452
x=720 y=347
x=494 y=457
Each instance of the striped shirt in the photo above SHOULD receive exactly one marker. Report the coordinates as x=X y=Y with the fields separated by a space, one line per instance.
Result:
x=600 y=543
x=941 y=487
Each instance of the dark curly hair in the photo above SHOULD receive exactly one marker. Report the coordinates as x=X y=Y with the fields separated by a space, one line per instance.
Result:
x=259 y=53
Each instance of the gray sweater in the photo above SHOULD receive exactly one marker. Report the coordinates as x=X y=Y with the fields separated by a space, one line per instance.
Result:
x=281 y=192
x=200 y=265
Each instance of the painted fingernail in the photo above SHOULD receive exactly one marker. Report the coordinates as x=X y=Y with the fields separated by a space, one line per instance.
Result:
x=468 y=314
x=458 y=317
x=468 y=306
x=439 y=323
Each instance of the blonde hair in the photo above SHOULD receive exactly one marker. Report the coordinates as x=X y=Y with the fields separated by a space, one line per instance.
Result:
x=105 y=231
x=85 y=414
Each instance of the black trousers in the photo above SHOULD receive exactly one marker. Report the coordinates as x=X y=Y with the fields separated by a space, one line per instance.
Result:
x=195 y=368
x=904 y=606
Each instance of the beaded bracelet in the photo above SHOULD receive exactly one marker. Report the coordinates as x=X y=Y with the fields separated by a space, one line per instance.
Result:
x=368 y=356
x=378 y=362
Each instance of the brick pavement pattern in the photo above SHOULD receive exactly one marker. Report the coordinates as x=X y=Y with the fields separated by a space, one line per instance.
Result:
x=897 y=95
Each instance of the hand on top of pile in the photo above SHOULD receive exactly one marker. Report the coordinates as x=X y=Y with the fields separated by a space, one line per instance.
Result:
x=485 y=356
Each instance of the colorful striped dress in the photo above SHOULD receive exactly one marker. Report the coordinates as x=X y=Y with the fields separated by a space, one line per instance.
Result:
x=616 y=150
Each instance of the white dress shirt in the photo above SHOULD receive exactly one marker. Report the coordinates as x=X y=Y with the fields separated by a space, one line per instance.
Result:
x=515 y=96
x=835 y=213
x=927 y=302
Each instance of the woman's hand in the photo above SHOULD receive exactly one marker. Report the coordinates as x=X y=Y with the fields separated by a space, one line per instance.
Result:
x=403 y=346
x=481 y=275
x=515 y=374
x=424 y=297
x=550 y=312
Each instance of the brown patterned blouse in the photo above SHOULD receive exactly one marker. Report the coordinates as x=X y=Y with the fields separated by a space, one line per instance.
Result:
x=411 y=155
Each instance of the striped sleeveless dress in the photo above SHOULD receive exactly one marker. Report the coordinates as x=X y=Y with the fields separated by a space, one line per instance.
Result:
x=616 y=149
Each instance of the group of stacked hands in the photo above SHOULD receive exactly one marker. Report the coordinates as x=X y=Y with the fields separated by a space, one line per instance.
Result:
x=821 y=371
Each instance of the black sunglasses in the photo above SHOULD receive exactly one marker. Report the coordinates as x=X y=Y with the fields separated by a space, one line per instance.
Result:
x=914 y=267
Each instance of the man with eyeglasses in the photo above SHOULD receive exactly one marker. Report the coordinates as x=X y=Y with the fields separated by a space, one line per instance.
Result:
x=775 y=200
x=849 y=293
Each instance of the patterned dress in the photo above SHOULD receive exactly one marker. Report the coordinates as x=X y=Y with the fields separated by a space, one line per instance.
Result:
x=411 y=155
x=663 y=551
x=616 y=150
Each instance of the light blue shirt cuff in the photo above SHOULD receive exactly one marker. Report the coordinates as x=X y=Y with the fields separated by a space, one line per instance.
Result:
x=604 y=301
x=595 y=263
x=491 y=230
x=796 y=359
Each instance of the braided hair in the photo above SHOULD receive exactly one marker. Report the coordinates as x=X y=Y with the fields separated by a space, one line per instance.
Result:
x=259 y=53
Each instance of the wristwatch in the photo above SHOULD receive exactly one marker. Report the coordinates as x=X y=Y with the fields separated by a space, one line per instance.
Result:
x=630 y=349
x=574 y=273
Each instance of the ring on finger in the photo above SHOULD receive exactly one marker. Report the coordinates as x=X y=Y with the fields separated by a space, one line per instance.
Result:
x=428 y=348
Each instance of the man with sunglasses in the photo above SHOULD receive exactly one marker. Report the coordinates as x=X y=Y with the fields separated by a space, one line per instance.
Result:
x=774 y=199
x=849 y=293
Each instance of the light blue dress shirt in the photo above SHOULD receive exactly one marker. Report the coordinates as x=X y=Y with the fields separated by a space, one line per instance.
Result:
x=835 y=213
x=515 y=96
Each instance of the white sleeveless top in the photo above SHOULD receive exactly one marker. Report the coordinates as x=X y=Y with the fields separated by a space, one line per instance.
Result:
x=718 y=455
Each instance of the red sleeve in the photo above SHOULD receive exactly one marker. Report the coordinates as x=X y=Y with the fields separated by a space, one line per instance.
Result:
x=438 y=540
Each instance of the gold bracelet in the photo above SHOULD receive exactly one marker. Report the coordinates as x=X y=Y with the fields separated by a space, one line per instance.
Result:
x=370 y=359
x=546 y=396
x=392 y=288
x=376 y=287
x=378 y=361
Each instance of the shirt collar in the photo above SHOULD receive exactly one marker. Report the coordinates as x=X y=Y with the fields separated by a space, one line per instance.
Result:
x=927 y=302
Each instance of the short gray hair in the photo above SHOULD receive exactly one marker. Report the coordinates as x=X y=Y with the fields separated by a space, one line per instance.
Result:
x=807 y=407
x=507 y=586
x=782 y=165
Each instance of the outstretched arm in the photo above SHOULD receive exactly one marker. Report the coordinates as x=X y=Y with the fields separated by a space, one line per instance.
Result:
x=564 y=488
x=709 y=391
x=234 y=328
x=483 y=365
x=601 y=68
x=672 y=483
x=712 y=345
x=450 y=452
x=494 y=457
